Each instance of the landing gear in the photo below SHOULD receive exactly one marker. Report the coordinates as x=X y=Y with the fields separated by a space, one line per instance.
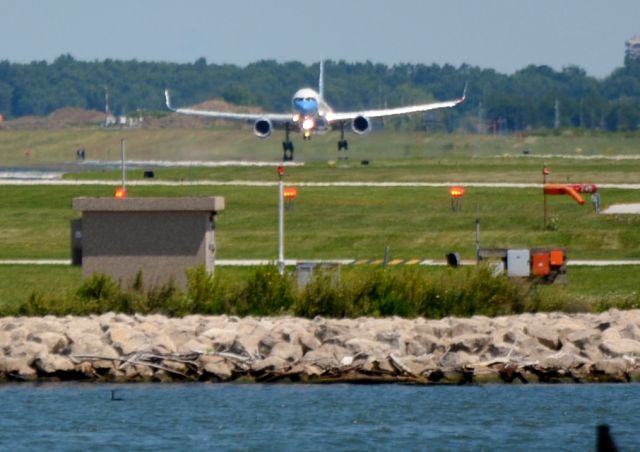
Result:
x=342 y=143
x=287 y=148
x=287 y=145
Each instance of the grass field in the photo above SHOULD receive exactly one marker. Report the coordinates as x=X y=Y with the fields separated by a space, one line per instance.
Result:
x=346 y=222
x=219 y=142
x=341 y=222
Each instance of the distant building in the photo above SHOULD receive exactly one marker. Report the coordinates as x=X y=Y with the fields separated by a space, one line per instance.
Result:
x=633 y=48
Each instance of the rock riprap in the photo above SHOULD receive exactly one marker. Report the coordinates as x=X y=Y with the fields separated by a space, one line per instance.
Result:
x=549 y=347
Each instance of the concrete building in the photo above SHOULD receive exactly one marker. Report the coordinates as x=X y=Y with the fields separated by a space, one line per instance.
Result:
x=163 y=237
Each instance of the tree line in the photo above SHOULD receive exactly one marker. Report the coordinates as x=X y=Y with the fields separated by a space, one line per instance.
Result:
x=534 y=97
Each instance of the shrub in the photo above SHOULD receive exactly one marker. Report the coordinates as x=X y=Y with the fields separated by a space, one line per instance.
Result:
x=406 y=292
x=266 y=293
x=323 y=296
x=205 y=293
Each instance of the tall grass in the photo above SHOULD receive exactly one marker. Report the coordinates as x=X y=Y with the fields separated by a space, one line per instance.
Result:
x=378 y=292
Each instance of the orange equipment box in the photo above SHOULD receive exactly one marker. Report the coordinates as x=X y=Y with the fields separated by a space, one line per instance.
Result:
x=540 y=263
x=556 y=258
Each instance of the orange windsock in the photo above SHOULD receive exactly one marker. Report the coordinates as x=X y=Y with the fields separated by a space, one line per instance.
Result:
x=561 y=189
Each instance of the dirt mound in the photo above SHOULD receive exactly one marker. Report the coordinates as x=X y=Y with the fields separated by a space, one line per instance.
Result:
x=179 y=121
x=58 y=119
x=70 y=117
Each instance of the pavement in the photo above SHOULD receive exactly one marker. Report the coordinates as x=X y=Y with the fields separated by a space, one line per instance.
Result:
x=615 y=209
x=293 y=262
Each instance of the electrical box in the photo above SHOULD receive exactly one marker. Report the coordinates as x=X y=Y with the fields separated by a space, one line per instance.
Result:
x=518 y=262
x=540 y=263
x=556 y=257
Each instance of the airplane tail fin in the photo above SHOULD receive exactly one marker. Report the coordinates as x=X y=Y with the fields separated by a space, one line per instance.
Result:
x=321 y=80
x=167 y=100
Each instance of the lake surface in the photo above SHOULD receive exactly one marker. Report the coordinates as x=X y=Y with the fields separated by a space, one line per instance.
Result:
x=200 y=416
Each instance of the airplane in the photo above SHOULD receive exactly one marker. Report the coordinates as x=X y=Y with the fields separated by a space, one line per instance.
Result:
x=311 y=114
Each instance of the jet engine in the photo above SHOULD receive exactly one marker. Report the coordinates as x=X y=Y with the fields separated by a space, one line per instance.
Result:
x=262 y=128
x=361 y=125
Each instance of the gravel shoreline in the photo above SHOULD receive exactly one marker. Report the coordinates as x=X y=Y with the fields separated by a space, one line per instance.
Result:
x=527 y=348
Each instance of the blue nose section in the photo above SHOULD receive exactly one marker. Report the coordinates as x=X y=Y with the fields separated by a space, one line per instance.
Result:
x=305 y=106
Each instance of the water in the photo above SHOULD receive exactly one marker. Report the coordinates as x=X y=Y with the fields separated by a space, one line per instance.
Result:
x=315 y=417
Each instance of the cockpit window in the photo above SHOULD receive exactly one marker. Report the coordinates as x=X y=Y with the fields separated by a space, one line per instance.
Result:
x=309 y=99
x=298 y=99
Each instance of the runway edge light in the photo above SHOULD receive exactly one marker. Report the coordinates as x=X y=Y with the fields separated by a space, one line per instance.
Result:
x=120 y=192
x=290 y=193
x=456 y=192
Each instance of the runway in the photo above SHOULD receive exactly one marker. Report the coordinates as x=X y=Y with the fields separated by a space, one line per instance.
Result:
x=242 y=183
x=360 y=262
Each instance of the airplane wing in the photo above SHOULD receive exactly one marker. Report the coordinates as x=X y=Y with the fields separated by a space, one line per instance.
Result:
x=245 y=117
x=344 y=116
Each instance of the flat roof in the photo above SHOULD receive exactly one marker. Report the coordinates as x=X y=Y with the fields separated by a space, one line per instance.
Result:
x=184 y=204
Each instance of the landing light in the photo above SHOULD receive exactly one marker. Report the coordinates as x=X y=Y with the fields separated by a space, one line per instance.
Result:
x=456 y=192
x=308 y=124
x=290 y=193
x=296 y=117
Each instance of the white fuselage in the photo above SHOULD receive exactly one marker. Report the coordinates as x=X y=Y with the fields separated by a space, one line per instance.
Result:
x=309 y=111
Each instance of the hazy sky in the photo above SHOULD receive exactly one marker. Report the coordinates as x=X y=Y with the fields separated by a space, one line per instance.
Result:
x=504 y=35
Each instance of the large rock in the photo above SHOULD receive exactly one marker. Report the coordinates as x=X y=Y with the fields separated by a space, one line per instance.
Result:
x=128 y=340
x=308 y=342
x=414 y=365
x=615 y=367
x=220 y=338
x=544 y=334
x=91 y=345
x=50 y=364
x=470 y=343
x=5 y=340
x=326 y=356
x=288 y=352
x=55 y=342
x=28 y=350
x=620 y=347
x=472 y=326
x=217 y=366
x=17 y=368
x=561 y=361
x=437 y=328
x=269 y=364
x=582 y=338
x=367 y=347
x=458 y=360
x=630 y=331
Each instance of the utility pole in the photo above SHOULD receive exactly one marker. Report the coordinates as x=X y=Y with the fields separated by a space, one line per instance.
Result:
x=122 y=157
x=545 y=173
x=477 y=241
x=281 y=220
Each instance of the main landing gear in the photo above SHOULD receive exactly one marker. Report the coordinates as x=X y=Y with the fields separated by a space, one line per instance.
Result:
x=342 y=143
x=287 y=145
